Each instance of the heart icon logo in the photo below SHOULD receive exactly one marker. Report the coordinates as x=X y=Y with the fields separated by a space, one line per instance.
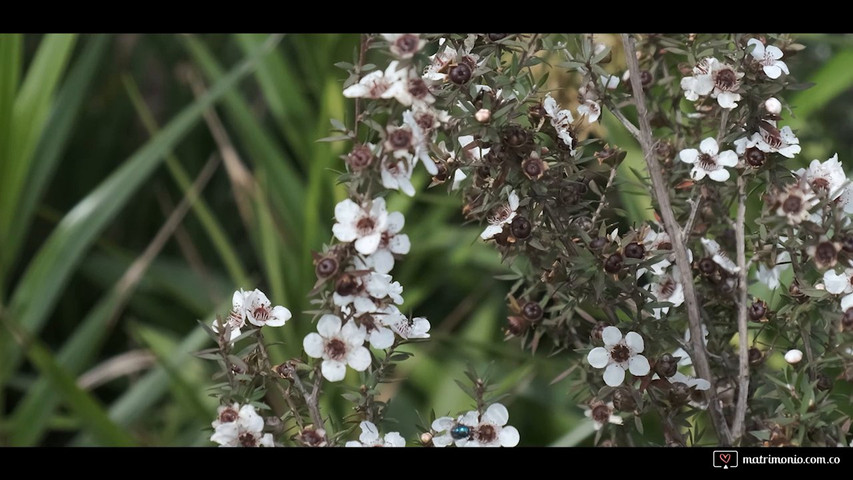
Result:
x=725 y=457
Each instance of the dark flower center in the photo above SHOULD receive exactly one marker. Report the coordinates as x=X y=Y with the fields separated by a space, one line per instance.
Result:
x=425 y=120
x=247 y=440
x=378 y=87
x=792 y=204
x=757 y=310
x=825 y=253
x=347 y=285
x=533 y=168
x=521 y=228
x=487 y=433
x=261 y=313
x=707 y=162
x=667 y=288
x=707 y=266
x=771 y=136
x=336 y=349
x=847 y=320
x=725 y=79
x=407 y=43
x=228 y=415
x=601 y=413
x=368 y=322
x=460 y=74
x=820 y=183
x=620 y=353
x=400 y=139
x=360 y=157
x=418 y=88
x=532 y=311
x=394 y=167
x=755 y=157
x=365 y=226
x=500 y=214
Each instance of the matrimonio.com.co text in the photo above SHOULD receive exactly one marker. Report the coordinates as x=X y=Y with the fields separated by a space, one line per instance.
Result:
x=789 y=460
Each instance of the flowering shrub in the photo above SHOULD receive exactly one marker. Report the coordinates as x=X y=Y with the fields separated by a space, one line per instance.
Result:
x=654 y=314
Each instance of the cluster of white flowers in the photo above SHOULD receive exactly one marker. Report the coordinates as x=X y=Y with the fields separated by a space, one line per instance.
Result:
x=255 y=307
x=716 y=79
x=561 y=120
x=237 y=426
x=474 y=430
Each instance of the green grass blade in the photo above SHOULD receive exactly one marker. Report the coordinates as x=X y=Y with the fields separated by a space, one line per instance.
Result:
x=54 y=138
x=141 y=397
x=88 y=410
x=211 y=225
x=52 y=266
x=29 y=114
x=11 y=46
x=261 y=149
x=833 y=78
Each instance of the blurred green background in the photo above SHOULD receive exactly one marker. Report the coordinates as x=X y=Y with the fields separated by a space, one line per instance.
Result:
x=105 y=264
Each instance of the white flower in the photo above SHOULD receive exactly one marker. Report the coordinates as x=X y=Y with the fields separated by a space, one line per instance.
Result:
x=436 y=72
x=338 y=347
x=590 y=109
x=768 y=57
x=472 y=153
x=405 y=327
x=619 y=354
x=397 y=174
x=404 y=45
x=601 y=414
x=845 y=201
x=490 y=430
x=770 y=276
x=667 y=289
x=371 y=289
x=846 y=302
x=782 y=141
x=793 y=356
x=447 y=430
x=685 y=359
x=503 y=215
x=422 y=121
x=794 y=202
x=363 y=224
x=561 y=120
x=378 y=84
x=692 y=382
x=838 y=283
x=708 y=160
x=260 y=312
x=233 y=428
x=653 y=241
x=370 y=438
x=237 y=316
x=827 y=176
x=391 y=243
x=714 y=78
x=458 y=177
x=712 y=248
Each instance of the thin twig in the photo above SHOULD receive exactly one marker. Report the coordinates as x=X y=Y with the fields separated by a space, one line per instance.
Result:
x=695 y=203
x=700 y=355
x=365 y=41
x=742 y=325
x=603 y=200
x=311 y=402
x=632 y=129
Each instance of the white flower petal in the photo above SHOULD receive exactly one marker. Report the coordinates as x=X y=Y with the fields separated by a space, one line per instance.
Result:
x=394 y=439
x=368 y=244
x=598 y=357
x=774 y=52
x=280 y=315
x=382 y=261
x=400 y=244
x=611 y=335
x=614 y=375
x=442 y=440
x=353 y=334
x=846 y=302
x=639 y=366
x=491 y=231
x=709 y=146
x=772 y=71
x=353 y=444
x=314 y=345
x=333 y=370
x=720 y=175
x=344 y=232
x=381 y=338
x=697 y=173
x=727 y=158
x=509 y=437
x=442 y=424
x=634 y=342
x=369 y=433
x=359 y=359
x=834 y=282
x=329 y=325
x=689 y=155
x=513 y=201
x=496 y=414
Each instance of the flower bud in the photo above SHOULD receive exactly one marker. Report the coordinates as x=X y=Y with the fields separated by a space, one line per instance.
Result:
x=326 y=267
x=666 y=366
x=483 y=115
x=635 y=250
x=793 y=356
x=613 y=263
x=773 y=106
x=460 y=74
x=758 y=311
x=532 y=311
